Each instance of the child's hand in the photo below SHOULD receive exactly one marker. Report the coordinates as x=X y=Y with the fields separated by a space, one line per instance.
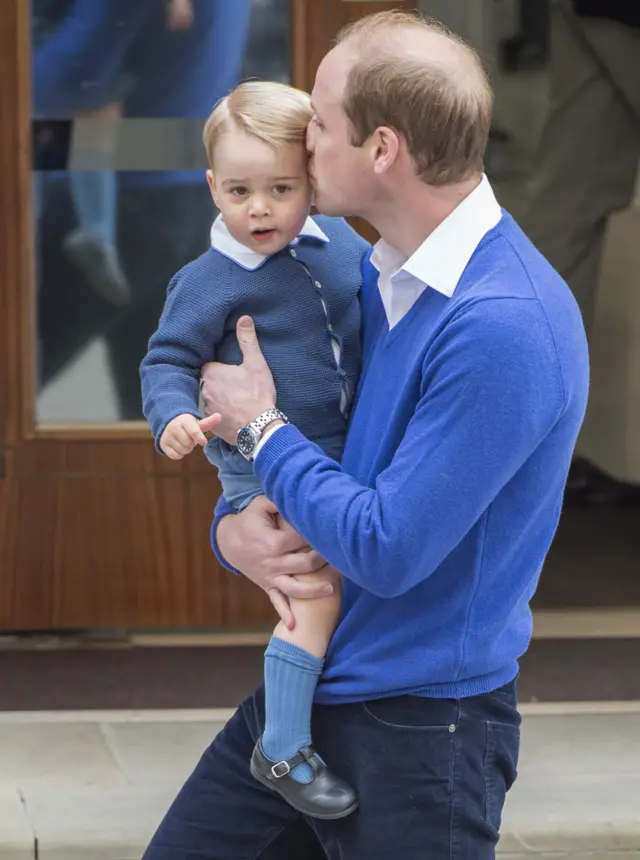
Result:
x=183 y=433
x=179 y=15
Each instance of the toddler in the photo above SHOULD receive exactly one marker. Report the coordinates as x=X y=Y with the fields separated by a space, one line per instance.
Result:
x=298 y=277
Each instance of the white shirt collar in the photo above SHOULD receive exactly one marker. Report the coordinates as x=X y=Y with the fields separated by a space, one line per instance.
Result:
x=223 y=241
x=444 y=255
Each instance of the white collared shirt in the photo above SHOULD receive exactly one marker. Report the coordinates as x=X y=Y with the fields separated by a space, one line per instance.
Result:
x=223 y=241
x=441 y=259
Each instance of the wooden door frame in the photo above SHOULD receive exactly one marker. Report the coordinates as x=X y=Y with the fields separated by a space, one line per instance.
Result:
x=17 y=413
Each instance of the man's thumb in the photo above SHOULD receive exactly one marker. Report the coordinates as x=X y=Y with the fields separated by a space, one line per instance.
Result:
x=247 y=339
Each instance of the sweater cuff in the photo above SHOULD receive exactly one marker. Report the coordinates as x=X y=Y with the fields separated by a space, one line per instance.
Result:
x=221 y=510
x=277 y=444
x=266 y=436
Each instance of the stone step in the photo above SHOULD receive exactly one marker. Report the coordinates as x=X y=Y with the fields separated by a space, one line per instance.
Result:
x=95 y=790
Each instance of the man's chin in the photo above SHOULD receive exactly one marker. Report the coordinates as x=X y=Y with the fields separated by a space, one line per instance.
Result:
x=326 y=206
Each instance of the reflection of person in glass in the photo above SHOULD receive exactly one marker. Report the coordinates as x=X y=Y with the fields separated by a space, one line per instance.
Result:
x=299 y=278
x=127 y=232
x=91 y=246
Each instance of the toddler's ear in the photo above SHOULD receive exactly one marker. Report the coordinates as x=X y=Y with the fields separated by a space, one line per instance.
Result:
x=211 y=182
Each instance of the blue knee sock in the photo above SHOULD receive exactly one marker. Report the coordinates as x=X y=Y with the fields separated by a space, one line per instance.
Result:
x=290 y=678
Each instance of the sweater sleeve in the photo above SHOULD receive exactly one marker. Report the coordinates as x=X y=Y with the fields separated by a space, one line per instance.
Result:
x=190 y=327
x=491 y=391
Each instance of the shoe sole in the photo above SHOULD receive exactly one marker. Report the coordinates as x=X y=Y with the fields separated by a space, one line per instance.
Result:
x=268 y=784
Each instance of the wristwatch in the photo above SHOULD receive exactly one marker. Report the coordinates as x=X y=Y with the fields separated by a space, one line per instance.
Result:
x=249 y=436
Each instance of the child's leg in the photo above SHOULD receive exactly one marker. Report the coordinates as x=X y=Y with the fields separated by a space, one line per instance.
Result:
x=93 y=246
x=94 y=195
x=94 y=191
x=293 y=665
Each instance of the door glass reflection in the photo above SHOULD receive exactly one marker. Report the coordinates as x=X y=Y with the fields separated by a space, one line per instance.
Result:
x=120 y=91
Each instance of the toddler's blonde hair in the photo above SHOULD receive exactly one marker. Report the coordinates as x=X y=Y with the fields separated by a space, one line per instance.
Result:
x=274 y=113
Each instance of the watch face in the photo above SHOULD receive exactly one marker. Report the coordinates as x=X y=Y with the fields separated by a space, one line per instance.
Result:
x=247 y=441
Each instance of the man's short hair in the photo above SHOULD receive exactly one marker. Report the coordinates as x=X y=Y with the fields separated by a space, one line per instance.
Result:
x=274 y=113
x=442 y=109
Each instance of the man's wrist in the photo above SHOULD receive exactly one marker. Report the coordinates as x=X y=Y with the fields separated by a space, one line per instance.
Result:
x=272 y=426
x=267 y=433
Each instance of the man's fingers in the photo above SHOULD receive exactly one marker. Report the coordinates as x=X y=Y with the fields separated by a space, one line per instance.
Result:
x=264 y=511
x=293 y=563
x=281 y=605
x=267 y=505
x=301 y=588
x=180 y=15
x=248 y=342
x=301 y=562
x=288 y=540
x=307 y=559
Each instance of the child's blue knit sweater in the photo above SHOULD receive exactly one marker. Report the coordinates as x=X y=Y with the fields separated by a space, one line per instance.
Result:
x=286 y=296
x=451 y=483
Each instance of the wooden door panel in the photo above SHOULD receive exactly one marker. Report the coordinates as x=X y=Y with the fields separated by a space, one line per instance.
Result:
x=116 y=552
x=320 y=21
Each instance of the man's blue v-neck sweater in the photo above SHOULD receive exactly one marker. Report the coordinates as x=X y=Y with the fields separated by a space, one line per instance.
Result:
x=450 y=488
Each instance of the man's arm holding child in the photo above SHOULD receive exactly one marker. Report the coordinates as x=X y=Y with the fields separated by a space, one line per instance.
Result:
x=261 y=545
x=464 y=443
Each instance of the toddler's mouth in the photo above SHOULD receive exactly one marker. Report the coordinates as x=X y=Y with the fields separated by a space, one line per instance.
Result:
x=262 y=234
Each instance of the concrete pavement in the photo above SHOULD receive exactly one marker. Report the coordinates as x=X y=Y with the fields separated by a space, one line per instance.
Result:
x=93 y=786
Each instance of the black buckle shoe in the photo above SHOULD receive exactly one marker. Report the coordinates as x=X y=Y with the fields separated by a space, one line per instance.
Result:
x=326 y=796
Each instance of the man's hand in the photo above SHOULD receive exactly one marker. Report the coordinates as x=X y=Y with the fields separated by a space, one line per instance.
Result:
x=270 y=553
x=179 y=15
x=236 y=394
x=184 y=433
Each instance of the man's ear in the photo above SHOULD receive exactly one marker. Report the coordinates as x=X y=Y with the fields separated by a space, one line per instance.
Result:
x=385 y=143
x=211 y=182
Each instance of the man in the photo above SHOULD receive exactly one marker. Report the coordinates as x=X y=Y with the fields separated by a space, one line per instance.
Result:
x=473 y=390
x=586 y=170
x=590 y=147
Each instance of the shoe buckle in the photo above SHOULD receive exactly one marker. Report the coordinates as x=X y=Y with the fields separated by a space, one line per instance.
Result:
x=280 y=769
